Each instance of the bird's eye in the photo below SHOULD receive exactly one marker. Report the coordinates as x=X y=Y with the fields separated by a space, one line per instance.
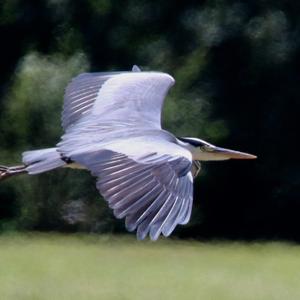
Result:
x=207 y=148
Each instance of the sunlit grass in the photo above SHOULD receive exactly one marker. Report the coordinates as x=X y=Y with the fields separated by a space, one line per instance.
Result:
x=51 y=266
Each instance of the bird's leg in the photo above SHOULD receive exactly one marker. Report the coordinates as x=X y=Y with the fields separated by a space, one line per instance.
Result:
x=196 y=167
x=6 y=172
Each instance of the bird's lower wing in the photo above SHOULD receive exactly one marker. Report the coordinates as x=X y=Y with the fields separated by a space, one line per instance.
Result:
x=153 y=193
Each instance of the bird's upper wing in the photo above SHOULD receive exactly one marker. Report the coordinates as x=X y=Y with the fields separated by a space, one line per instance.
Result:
x=80 y=95
x=135 y=97
x=152 y=189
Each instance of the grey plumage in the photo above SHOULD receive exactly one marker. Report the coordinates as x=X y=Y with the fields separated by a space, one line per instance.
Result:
x=39 y=161
x=153 y=197
x=112 y=128
x=81 y=94
x=112 y=124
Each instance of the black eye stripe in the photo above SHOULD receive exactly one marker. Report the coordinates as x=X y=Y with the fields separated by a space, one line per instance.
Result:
x=192 y=142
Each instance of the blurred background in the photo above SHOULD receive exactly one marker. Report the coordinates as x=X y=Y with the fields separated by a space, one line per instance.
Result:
x=236 y=65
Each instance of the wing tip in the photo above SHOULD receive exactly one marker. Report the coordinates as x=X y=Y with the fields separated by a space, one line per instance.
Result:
x=135 y=68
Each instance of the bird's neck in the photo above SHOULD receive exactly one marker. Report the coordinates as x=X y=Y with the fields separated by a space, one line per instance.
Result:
x=189 y=147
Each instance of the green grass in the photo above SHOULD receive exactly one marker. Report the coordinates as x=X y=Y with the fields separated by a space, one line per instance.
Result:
x=51 y=266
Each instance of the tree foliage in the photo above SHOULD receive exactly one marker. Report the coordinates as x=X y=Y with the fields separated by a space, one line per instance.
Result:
x=236 y=70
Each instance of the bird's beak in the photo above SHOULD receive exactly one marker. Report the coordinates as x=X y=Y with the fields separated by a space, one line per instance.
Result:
x=231 y=154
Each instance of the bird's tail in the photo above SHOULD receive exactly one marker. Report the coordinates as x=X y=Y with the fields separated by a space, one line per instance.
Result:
x=43 y=160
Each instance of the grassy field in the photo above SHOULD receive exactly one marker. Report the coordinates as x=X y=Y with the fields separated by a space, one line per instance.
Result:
x=51 y=266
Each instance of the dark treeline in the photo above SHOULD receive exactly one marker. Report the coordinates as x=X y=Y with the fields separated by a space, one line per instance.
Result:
x=236 y=66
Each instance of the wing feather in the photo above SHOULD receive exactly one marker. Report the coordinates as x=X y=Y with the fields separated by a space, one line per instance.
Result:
x=143 y=222
x=161 y=217
x=106 y=93
x=83 y=88
x=152 y=195
x=132 y=194
x=129 y=208
x=187 y=214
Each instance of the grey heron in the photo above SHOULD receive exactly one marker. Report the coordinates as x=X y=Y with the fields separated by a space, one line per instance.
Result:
x=112 y=127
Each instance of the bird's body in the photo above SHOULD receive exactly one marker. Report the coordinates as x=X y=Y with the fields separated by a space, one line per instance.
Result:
x=112 y=124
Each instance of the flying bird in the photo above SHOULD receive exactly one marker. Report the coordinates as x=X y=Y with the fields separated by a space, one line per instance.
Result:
x=112 y=127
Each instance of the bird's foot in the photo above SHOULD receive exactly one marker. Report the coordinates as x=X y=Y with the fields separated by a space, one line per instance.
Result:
x=6 y=172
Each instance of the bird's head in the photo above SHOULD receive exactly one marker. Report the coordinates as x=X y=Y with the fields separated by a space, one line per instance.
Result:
x=204 y=151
